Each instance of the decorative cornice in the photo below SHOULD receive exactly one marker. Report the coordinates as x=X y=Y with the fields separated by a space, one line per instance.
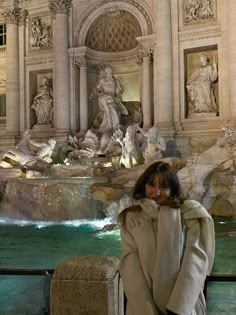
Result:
x=59 y=6
x=199 y=35
x=42 y=59
x=95 y=57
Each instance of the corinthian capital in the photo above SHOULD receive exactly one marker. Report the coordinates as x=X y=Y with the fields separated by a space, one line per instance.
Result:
x=82 y=61
x=11 y=15
x=146 y=45
x=59 y=6
x=23 y=16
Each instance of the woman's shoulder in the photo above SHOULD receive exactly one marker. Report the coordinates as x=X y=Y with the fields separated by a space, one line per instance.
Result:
x=192 y=209
x=130 y=216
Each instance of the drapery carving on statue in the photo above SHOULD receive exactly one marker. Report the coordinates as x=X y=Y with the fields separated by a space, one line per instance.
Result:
x=154 y=145
x=109 y=93
x=60 y=6
x=40 y=33
x=43 y=104
x=200 y=88
x=29 y=152
x=197 y=10
x=131 y=154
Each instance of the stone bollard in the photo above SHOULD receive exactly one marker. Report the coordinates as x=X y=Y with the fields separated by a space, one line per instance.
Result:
x=88 y=285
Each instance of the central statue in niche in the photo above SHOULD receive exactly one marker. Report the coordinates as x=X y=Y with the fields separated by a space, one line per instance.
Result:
x=109 y=92
x=113 y=118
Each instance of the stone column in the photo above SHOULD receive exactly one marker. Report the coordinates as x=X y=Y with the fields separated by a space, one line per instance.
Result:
x=83 y=113
x=146 y=89
x=60 y=10
x=22 y=23
x=163 y=81
x=232 y=56
x=87 y=285
x=12 y=71
x=146 y=44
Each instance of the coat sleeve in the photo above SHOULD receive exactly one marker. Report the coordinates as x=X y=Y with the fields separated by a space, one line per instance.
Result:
x=136 y=288
x=193 y=271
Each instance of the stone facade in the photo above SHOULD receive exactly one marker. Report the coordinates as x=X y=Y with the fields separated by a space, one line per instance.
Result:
x=153 y=47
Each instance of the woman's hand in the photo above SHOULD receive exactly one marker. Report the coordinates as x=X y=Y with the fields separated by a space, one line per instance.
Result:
x=172 y=203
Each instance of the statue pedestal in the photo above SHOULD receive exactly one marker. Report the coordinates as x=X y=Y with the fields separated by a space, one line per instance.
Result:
x=202 y=115
x=42 y=127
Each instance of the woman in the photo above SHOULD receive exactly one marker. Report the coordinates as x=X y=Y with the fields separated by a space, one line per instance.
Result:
x=167 y=247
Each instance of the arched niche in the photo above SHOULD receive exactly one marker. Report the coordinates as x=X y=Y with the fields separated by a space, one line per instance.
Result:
x=134 y=8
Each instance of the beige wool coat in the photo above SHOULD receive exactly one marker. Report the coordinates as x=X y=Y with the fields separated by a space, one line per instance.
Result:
x=166 y=256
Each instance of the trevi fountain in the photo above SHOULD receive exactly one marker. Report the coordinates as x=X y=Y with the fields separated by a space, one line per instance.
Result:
x=91 y=93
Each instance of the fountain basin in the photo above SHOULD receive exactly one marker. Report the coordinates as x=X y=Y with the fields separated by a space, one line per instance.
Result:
x=51 y=199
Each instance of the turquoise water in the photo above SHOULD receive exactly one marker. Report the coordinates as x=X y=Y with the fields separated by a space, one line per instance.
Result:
x=45 y=245
x=41 y=245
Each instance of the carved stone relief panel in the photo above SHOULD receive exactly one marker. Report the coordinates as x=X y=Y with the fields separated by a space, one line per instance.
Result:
x=201 y=82
x=40 y=32
x=198 y=10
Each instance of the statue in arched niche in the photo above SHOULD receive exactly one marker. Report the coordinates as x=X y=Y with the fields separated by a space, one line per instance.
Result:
x=200 y=87
x=109 y=92
x=43 y=103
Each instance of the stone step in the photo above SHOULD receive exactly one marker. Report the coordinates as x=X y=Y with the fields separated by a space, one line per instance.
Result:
x=7 y=173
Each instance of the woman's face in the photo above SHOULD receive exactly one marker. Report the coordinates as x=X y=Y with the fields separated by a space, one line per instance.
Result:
x=157 y=189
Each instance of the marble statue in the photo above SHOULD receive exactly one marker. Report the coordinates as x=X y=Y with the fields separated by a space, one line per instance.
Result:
x=131 y=154
x=43 y=104
x=44 y=150
x=155 y=144
x=200 y=87
x=109 y=92
x=28 y=152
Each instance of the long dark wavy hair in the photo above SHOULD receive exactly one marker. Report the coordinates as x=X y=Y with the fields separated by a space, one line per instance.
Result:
x=168 y=176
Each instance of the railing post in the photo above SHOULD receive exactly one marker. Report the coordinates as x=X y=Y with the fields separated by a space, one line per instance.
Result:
x=87 y=286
